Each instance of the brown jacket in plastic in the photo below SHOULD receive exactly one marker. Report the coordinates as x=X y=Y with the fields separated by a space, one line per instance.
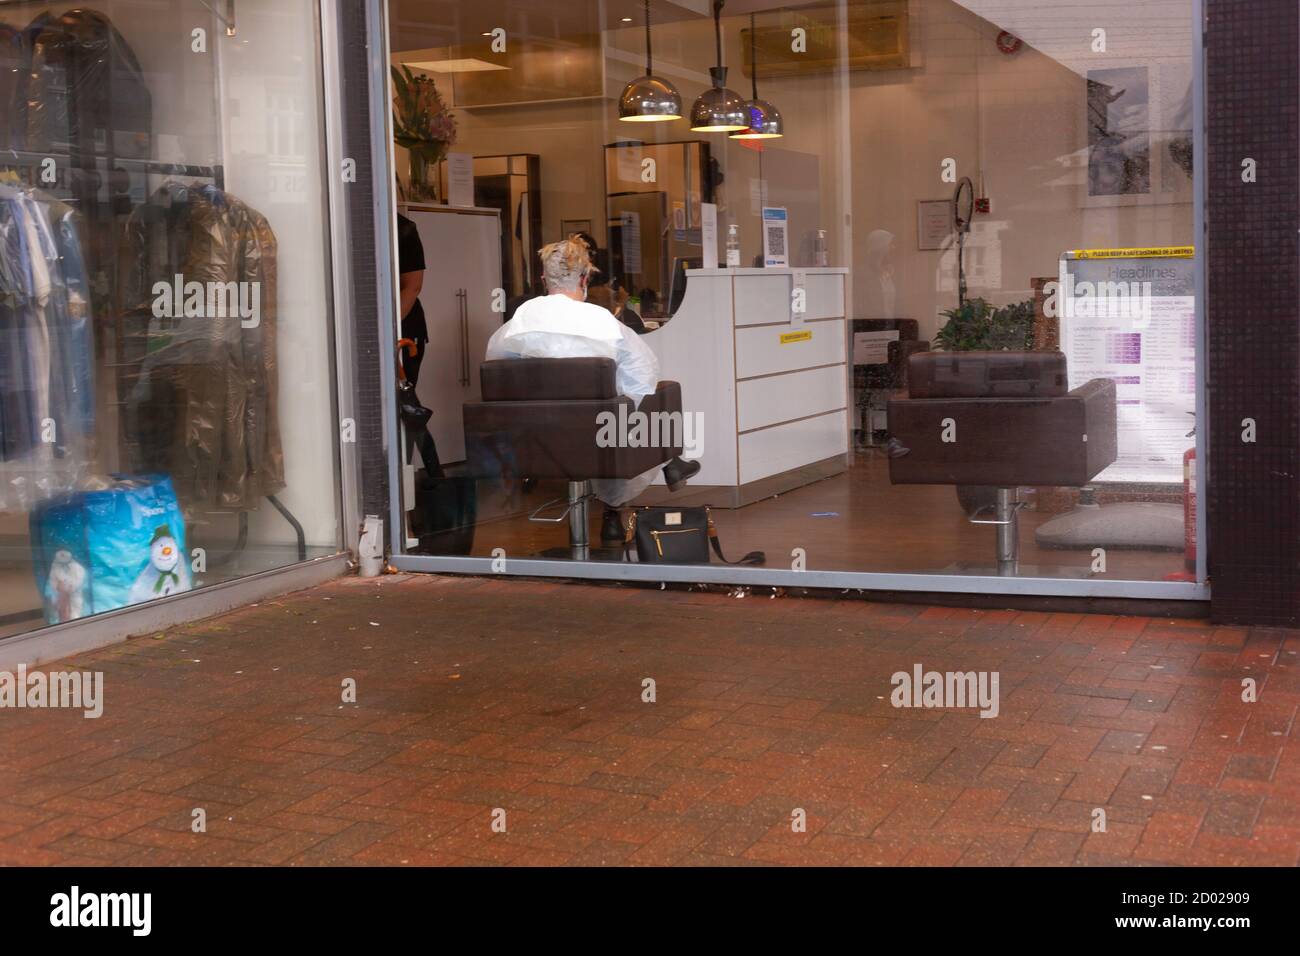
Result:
x=201 y=388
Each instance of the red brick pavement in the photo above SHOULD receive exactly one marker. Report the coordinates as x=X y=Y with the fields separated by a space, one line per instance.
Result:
x=478 y=695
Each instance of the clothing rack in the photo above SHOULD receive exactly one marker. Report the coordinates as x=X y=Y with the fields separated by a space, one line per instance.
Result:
x=86 y=161
x=22 y=157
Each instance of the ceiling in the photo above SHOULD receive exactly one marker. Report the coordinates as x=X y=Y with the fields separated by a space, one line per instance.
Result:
x=1063 y=29
x=422 y=24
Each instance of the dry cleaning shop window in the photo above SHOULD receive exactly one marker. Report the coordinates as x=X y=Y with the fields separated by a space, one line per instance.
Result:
x=140 y=314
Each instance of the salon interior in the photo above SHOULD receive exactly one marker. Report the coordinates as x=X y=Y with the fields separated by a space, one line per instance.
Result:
x=867 y=239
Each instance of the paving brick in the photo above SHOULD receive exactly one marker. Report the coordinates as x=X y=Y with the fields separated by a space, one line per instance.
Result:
x=1140 y=717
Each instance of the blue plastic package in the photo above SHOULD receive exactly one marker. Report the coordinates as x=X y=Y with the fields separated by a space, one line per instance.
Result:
x=94 y=551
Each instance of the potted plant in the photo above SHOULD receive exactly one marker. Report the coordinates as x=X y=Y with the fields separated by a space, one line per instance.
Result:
x=977 y=325
x=424 y=125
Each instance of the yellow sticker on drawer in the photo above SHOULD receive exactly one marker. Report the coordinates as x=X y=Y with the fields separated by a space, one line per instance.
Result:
x=804 y=336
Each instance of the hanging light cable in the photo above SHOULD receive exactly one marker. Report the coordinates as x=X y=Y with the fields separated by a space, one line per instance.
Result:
x=764 y=119
x=718 y=110
x=649 y=99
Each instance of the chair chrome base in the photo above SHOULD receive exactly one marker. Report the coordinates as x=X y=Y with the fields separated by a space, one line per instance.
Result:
x=1006 y=517
x=575 y=509
x=588 y=554
x=1022 y=571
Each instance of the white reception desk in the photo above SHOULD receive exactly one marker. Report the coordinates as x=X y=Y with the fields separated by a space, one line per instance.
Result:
x=772 y=387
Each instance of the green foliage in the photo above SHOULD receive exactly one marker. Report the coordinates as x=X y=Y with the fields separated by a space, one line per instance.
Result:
x=979 y=326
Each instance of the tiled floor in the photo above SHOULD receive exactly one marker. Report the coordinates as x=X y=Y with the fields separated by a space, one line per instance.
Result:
x=482 y=700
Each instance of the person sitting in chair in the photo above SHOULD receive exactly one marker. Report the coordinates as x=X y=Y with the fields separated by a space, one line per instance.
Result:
x=562 y=324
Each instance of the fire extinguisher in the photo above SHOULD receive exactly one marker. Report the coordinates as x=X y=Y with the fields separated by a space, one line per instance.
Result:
x=1189 y=506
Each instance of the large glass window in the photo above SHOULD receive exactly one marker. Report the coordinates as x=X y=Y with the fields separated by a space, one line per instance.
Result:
x=166 y=410
x=929 y=300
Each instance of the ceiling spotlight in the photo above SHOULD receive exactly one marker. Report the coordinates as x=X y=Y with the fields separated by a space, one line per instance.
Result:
x=718 y=110
x=649 y=99
x=764 y=119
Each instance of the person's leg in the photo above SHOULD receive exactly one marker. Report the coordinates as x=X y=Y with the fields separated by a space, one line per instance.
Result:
x=678 y=471
x=614 y=493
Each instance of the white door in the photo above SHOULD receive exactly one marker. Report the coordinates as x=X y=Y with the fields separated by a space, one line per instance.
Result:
x=462 y=256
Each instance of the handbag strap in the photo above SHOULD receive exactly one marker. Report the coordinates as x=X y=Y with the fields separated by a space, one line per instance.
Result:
x=754 y=557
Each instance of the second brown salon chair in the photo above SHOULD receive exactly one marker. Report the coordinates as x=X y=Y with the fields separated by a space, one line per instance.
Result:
x=540 y=418
x=1000 y=419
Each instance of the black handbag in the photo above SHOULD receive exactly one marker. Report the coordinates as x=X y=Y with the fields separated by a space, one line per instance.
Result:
x=445 y=513
x=676 y=536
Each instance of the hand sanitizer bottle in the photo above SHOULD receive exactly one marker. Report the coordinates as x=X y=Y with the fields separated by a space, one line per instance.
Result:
x=733 y=246
x=821 y=254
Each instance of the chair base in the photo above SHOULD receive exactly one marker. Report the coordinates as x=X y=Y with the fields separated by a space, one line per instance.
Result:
x=581 y=554
x=575 y=510
x=1006 y=518
x=1022 y=571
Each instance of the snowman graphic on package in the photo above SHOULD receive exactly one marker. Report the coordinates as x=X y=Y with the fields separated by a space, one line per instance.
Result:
x=65 y=588
x=165 y=573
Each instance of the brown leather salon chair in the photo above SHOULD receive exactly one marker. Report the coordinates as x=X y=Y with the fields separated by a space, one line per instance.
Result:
x=539 y=419
x=1001 y=420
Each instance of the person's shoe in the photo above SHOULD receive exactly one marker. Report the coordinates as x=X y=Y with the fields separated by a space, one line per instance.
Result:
x=678 y=471
x=611 y=528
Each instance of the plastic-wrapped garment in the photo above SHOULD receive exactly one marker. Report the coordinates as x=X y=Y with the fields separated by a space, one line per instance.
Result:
x=556 y=326
x=83 y=88
x=94 y=551
x=202 y=403
x=71 y=331
x=46 y=350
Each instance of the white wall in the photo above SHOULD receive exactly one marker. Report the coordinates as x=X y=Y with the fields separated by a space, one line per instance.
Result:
x=1017 y=119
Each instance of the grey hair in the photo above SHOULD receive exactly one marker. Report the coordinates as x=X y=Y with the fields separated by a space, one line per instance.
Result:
x=565 y=264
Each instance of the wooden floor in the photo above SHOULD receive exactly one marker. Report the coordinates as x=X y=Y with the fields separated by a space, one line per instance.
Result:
x=856 y=521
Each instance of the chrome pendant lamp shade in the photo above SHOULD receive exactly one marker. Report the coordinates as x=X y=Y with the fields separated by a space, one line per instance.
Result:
x=649 y=99
x=764 y=119
x=718 y=109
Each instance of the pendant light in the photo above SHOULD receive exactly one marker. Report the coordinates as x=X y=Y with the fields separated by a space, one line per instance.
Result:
x=648 y=99
x=764 y=119
x=718 y=110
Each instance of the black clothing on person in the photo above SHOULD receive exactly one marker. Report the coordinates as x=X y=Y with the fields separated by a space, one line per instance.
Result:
x=410 y=258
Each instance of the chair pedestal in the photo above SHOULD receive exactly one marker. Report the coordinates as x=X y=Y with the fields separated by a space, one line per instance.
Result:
x=575 y=509
x=1006 y=518
x=579 y=542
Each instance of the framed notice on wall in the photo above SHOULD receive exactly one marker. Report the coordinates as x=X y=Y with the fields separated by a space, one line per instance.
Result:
x=1130 y=315
x=933 y=223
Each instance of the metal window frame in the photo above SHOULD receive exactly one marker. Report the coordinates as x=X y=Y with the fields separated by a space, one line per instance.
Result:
x=342 y=273
x=1201 y=234
x=1198 y=590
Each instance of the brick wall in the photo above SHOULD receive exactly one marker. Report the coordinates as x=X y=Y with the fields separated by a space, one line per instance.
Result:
x=1253 y=256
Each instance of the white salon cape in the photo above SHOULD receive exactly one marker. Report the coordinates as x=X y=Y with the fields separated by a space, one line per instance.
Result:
x=556 y=326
